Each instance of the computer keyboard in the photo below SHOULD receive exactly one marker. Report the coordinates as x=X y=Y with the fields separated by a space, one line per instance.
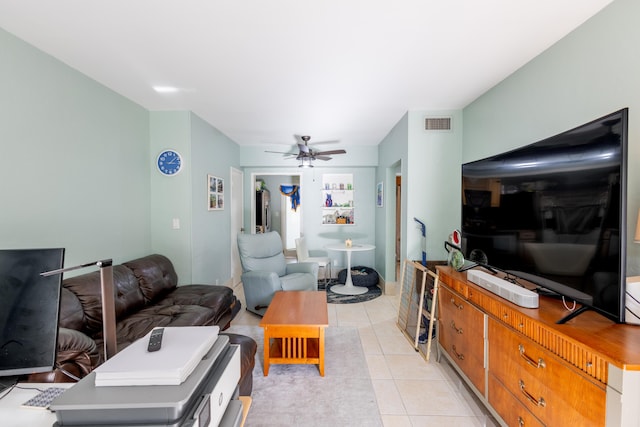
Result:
x=44 y=398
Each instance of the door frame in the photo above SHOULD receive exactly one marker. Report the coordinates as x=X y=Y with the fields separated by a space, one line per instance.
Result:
x=236 y=197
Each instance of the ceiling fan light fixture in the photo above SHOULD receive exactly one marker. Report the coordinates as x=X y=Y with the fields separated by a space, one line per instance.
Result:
x=305 y=162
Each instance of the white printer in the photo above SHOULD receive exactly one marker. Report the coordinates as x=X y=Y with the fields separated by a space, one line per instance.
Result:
x=207 y=397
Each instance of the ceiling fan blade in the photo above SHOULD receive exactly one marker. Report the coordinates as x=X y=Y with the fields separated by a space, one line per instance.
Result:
x=322 y=157
x=281 y=152
x=330 y=152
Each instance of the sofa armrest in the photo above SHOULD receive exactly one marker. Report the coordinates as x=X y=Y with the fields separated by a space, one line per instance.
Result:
x=77 y=356
x=248 y=348
x=303 y=267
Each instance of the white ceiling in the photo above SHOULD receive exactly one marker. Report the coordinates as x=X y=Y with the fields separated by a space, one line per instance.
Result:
x=262 y=71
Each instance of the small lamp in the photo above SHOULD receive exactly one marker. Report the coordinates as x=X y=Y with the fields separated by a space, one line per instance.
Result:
x=636 y=239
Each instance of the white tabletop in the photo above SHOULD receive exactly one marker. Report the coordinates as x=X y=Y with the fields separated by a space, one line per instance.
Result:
x=354 y=247
x=12 y=414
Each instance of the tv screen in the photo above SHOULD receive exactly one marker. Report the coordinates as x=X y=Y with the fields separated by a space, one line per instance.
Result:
x=554 y=213
x=29 y=310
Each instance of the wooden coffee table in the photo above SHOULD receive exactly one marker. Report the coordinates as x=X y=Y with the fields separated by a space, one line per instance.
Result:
x=294 y=329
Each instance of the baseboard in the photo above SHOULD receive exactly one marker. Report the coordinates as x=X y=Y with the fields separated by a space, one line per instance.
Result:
x=388 y=288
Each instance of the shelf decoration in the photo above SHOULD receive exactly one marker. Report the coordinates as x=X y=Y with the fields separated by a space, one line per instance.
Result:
x=337 y=199
x=215 y=193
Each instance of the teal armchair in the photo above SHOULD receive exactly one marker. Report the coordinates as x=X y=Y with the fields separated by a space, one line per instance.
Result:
x=265 y=270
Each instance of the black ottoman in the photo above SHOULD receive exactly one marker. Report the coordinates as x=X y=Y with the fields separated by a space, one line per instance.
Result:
x=360 y=276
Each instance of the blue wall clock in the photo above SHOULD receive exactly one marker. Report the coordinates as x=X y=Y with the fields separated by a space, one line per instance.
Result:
x=169 y=162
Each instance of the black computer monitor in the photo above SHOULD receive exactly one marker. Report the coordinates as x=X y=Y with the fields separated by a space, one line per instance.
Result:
x=29 y=311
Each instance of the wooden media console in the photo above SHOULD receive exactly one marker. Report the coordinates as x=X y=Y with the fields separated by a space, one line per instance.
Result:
x=527 y=369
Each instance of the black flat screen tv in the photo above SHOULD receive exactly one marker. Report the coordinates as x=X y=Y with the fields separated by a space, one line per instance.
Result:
x=554 y=213
x=29 y=310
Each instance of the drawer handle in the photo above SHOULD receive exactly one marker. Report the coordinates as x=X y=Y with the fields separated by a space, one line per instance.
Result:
x=458 y=355
x=539 y=364
x=458 y=330
x=539 y=402
x=520 y=421
x=458 y=306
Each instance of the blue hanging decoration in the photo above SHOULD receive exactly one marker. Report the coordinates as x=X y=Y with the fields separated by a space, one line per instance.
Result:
x=293 y=191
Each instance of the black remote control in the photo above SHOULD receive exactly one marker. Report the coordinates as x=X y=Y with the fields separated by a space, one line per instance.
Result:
x=155 y=340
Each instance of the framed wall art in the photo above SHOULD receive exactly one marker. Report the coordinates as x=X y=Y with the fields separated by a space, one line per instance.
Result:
x=215 y=196
x=379 y=194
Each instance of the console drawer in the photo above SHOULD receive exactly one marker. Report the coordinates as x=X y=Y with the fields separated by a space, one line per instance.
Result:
x=462 y=316
x=554 y=391
x=467 y=354
x=508 y=407
x=461 y=335
x=456 y=285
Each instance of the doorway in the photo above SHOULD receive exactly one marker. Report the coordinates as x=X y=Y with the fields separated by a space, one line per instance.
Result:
x=286 y=223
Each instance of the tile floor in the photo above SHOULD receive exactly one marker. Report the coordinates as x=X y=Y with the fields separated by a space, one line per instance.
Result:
x=410 y=391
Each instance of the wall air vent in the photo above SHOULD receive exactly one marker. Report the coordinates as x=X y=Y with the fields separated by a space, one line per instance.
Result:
x=437 y=123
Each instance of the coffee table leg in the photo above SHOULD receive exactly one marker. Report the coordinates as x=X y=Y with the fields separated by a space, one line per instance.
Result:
x=266 y=351
x=321 y=352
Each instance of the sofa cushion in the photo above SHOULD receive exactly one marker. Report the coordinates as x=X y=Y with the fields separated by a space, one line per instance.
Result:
x=71 y=314
x=156 y=275
x=219 y=299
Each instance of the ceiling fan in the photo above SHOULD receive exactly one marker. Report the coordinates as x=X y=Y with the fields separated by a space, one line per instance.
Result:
x=306 y=154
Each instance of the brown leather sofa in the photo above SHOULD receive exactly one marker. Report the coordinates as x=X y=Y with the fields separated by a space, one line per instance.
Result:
x=147 y=296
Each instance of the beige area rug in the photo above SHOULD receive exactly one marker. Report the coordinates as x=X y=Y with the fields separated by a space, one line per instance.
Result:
x=296 y=395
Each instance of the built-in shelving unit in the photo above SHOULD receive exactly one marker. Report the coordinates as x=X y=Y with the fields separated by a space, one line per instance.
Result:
x=337 y=199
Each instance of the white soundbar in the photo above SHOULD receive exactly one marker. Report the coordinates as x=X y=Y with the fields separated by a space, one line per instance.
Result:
x=507 y=290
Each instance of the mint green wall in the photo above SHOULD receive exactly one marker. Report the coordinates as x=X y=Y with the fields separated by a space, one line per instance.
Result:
x=212 y=153
x=75 y=170
x=429 y=163
x=171 y=196
x=200 y=248
x=433 y=183
x=591 y=72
